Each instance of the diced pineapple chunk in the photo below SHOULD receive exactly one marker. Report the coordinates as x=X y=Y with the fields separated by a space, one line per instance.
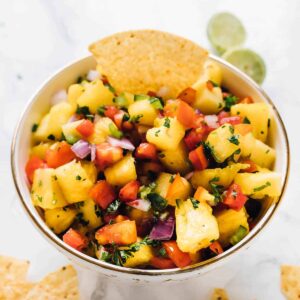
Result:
x=196 y=226
x=40 y=150
x=259 y=116
x=229 y=221
x=90 y=170
x=45 y=191
x=74 y=181
x=208 y=101
x=167 y=133
x=163 y=183
x=51 y=124
x=95 y=95
x=225 y=176
x=259 y=184
x=223 y=142
x=176 y=160
x=213 y=72
x=144 y=111
x=74 y=92
x=90 y=213
x=257 y=151
x=60 y=219
x=70 y=132
x=121 y=172
x=140 y=257
x=101 y=131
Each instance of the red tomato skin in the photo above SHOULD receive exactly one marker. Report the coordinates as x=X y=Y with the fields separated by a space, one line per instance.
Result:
x=111 y=111
x=179 y=258
x=33 y=163
x=234 y=120
x=107 y=155
x=162 y=263
x=185 y=114
x=146 y=151
x=129 y=191
x=75 y=239
x=103 y=193
x=188 y=95
x=194 y=137
x=198 y=158
x=235 y=199
x=86 y=128
x=216 y=247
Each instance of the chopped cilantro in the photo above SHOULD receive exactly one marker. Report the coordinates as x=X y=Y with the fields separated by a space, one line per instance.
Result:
x=161 y=155
x=269 y=123
x=144 y=191
x=135 y=118
x=81 y=219
x=234 y=140
x=157 y=132
x=246 y=121
x=114 y=206
x=216 y=189
x=34 y=127
x=231 y=129
x=98 y=211
x=167 y=122
x=162 y=252
x=229 y=101
x=213 y=83
x=78 y=177
x=156 y=103
x=195 y=202
x=158 y=202
x=110 y=87
x=101 y=110
x=260 y=188
x=172 y=178
x=140 y=97
x=51 y=137
x=177 y=203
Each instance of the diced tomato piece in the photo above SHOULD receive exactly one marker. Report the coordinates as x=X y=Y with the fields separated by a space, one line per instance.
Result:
x=170 y=108
x=153 y=167
x=199 y=123
x=33 y=163
x=118 y=118
x=223 y=114
x=179 y=258
x=75 y=239
x=127 y=126
x=59 y=156
x=85 y=128
x=209 y=85
x=110 y=111
x=146 y=151
x=252 y=166
x=247 y=100
x=198 y=158
x=188 y=95
x=162 y=263
x=103 y=193
x=194 y=137
x=185 y=114
x=122 y=233
x=234 y=120
x=175 y=189
x=198 y=194
x=151 y=94
x=107 y=155
x=235 y=198
x=129 y=191
x=108 y=218
x=216 y=247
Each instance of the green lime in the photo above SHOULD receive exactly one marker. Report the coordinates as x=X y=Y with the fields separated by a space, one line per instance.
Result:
x=247 y=61
x=225 y=31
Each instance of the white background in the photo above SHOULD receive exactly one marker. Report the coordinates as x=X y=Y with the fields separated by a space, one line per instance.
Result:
x=38 y=37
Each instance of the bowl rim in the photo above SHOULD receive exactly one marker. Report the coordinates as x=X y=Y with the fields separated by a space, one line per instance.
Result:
x=93 y=262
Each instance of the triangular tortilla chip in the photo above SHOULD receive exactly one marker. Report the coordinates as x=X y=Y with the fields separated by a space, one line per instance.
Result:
x=13 y=269
x=15 y=290
x=290 y=282
x=219 y=294
x=148 y=60
x=62 y=284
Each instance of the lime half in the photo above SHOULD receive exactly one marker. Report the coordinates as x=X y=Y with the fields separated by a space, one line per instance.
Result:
x=247 y=61
x=225 y=31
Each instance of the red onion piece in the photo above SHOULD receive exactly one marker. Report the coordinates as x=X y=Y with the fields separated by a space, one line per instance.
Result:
x=123 y=143
x=163 y=91
x=93 y=75
x=212 y=121
x=59 y=96
x=141 y=204
x=163 y=230
x=93 y=152
x=81 y=149
x=73 y=118
x=188 y=176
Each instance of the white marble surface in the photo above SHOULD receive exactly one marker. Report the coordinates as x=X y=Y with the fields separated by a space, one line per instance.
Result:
x=37 y=37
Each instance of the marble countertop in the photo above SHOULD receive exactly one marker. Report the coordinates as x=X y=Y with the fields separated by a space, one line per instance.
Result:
x=39 y=36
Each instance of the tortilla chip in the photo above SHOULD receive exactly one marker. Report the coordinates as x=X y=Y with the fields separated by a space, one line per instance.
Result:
x=62 y=284
x=147 y=60
x=219 y=294
x=15 y=290
x=13 y=269
x=290 y=282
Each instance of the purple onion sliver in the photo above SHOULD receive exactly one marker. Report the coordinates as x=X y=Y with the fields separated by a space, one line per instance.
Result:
x=188 y=176
x=163 y=230
x=122 y=143
x=93 y=152
x=81 y=149
x=141 y=204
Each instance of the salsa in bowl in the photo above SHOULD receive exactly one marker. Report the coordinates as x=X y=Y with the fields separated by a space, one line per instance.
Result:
x=152 y=181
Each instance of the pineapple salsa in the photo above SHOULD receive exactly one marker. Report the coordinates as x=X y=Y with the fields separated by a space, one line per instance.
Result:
x=141 y=181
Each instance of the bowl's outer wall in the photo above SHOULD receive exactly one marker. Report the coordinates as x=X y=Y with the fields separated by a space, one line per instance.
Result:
x=39 y=105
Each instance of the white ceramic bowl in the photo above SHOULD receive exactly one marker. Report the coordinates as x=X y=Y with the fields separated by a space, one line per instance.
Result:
x=236 y=81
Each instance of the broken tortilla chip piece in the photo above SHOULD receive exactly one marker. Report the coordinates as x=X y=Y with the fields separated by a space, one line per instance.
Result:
x=13 y=269
x=290 y=282
x=62 y=284
x=219 y=294
x=148 y=60
x=15 y=290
